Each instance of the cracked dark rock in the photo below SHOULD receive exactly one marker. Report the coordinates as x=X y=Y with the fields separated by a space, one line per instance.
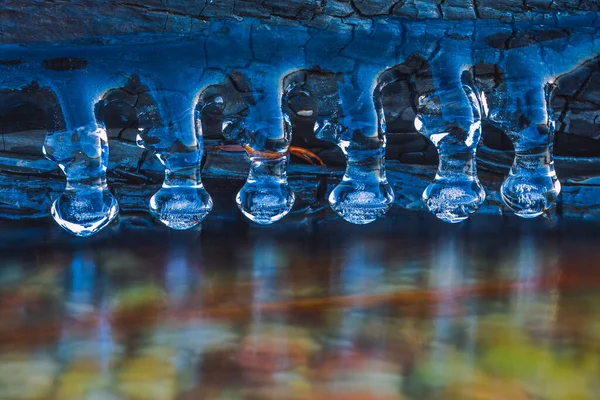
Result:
x=63 y=20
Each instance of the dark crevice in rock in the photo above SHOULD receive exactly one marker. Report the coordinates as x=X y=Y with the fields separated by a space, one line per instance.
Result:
x=524 y=38
x=10 y=63
x=65 y=64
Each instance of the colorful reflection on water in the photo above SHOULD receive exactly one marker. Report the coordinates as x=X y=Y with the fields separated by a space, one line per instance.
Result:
x=265 y=318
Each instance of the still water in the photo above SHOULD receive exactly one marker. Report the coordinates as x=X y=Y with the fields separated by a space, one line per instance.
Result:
x=438 y=313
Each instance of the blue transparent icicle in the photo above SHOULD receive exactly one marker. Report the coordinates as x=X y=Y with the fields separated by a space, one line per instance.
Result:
x=456 y=192
x=182 y=202
x=266 y=135
x=81 y=151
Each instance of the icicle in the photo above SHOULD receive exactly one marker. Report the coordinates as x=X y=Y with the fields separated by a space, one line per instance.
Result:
x=182 y=202
x=266 y=197
x=454 y=126
x=81 y=151
x=364 y=193
x=521 y=109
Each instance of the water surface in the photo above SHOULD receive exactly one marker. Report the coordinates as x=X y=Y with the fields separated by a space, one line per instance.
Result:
x=421 y=311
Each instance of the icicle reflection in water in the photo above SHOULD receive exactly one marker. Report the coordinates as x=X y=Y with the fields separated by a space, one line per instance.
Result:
x=323 y=319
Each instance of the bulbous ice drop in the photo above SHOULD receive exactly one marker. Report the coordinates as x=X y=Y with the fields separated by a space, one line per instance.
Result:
x=358 y=128
x=456 y=192
x=531 y=187
x=265 y=133
x=182 y=202
x=86 y=206
x=364 y=193
x=266 y=197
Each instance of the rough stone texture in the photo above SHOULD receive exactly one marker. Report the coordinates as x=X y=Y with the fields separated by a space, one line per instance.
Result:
x=56 y=20
x=577 y=111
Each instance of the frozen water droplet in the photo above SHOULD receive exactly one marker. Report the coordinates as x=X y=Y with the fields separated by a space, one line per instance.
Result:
x=266 y=197
x=361 y=202
x=84 y=212
x=86 y=206
x=453 y=203
x=531 y=187
x=264 y=208
x=182 y=202
x=181 y=207
x=364 y=193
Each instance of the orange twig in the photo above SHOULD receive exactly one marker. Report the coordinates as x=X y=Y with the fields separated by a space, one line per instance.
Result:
x=305 y=154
